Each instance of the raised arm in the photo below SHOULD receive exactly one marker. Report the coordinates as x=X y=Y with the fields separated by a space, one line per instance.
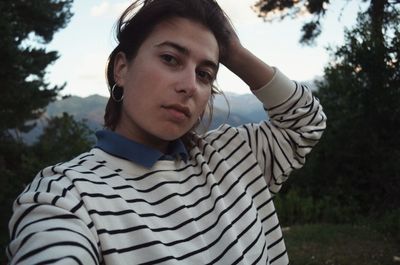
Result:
x=296 y=119
x=253 y=71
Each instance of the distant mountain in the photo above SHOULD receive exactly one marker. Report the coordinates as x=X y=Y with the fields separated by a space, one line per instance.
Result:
x=232 y=109
x=89 y=109
x=244 y=105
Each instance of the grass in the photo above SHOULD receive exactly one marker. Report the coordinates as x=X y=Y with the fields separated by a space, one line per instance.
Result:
x=333 y=244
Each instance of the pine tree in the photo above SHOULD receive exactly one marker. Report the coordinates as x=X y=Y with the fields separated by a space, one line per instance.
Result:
x=272 y=10
x=62 y=139
x=361 y=95
x=25 y=28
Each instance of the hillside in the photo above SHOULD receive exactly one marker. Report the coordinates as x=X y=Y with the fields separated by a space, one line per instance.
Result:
x=241 y=109
x=232 y=109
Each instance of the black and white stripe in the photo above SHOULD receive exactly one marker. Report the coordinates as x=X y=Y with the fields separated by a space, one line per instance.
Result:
x=216 y=208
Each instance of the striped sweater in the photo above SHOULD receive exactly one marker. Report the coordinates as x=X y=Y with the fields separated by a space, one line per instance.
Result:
x=215 y=208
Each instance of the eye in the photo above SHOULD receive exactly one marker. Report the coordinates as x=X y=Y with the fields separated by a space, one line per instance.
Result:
x=205 y=76
x=169 y=59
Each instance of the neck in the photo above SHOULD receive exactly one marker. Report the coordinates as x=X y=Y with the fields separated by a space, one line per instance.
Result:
x=145 y=139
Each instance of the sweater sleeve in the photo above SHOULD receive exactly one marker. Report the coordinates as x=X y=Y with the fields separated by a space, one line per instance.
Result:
x=296 y=123
x=50 y=225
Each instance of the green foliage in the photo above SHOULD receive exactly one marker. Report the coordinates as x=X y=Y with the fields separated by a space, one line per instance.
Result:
x=62 y=139
x=354 y=170
x=387 y=224
x=343 y=244
x=361 y=96
x=25 y=26
x=14 y=175
x=295 y=207
x=277 y=9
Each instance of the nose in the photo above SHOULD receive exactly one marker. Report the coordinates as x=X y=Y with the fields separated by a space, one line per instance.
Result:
x=188 y=83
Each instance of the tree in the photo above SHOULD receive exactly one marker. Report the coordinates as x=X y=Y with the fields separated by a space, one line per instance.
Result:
x=272 y=10
x=359 y=153
x=361 y=95
x=25 y=27
x=62 y=139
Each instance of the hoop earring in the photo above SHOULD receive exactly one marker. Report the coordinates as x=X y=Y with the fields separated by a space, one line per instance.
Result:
x=117 y=93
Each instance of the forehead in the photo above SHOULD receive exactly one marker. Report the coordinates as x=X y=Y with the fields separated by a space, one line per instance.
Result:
x=195 y=37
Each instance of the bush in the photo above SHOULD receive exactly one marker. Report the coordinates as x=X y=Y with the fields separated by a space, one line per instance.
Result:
x=388 y=224
x=295 y=208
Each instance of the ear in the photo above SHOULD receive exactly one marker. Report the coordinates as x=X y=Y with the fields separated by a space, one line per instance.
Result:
x=121 y=65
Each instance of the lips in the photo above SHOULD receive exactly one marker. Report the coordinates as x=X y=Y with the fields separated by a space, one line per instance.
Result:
x=179 y=108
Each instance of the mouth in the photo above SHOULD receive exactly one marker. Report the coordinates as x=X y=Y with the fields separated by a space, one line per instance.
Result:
x=179 y=108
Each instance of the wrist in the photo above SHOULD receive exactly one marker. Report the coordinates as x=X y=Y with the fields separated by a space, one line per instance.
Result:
x=248 y=67
x=235 y=57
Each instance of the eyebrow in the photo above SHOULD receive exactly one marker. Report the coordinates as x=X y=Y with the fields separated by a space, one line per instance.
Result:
x=185 y=51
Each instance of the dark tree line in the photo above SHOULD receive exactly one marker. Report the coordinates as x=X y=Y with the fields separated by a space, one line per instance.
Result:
x=356 y=165
x=26 y=27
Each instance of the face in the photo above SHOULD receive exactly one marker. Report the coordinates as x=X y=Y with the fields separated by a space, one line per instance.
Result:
x=168 y=83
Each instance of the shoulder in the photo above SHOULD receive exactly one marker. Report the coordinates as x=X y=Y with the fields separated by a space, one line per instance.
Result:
x=225 y=139
x=63 y=175
x=220 y=134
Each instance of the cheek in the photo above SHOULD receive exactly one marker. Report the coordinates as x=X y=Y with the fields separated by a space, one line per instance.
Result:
x=135 y=101
x=203 y=100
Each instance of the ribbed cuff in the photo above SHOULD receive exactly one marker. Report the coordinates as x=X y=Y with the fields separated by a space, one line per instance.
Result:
x=276 y=91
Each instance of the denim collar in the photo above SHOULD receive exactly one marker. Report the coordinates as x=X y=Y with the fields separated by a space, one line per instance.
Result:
x=120 y=146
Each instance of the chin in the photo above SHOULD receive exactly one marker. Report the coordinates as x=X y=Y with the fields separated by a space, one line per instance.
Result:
x=172 y=132
x=169 y=135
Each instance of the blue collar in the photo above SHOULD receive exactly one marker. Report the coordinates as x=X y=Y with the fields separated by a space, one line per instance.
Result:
x=120 y=146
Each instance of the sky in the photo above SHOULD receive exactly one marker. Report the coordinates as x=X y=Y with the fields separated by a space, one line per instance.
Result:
x=88 y=39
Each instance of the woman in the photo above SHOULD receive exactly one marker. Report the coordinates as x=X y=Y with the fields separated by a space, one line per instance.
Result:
x=152 y=190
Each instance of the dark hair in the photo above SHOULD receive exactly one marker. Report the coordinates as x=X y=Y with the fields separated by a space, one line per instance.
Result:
x=135 y=24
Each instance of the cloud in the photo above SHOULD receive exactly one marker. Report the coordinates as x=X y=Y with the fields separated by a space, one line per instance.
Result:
x=100 y=9
x=239 y=11
x=92 y=65
x=105 y=8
